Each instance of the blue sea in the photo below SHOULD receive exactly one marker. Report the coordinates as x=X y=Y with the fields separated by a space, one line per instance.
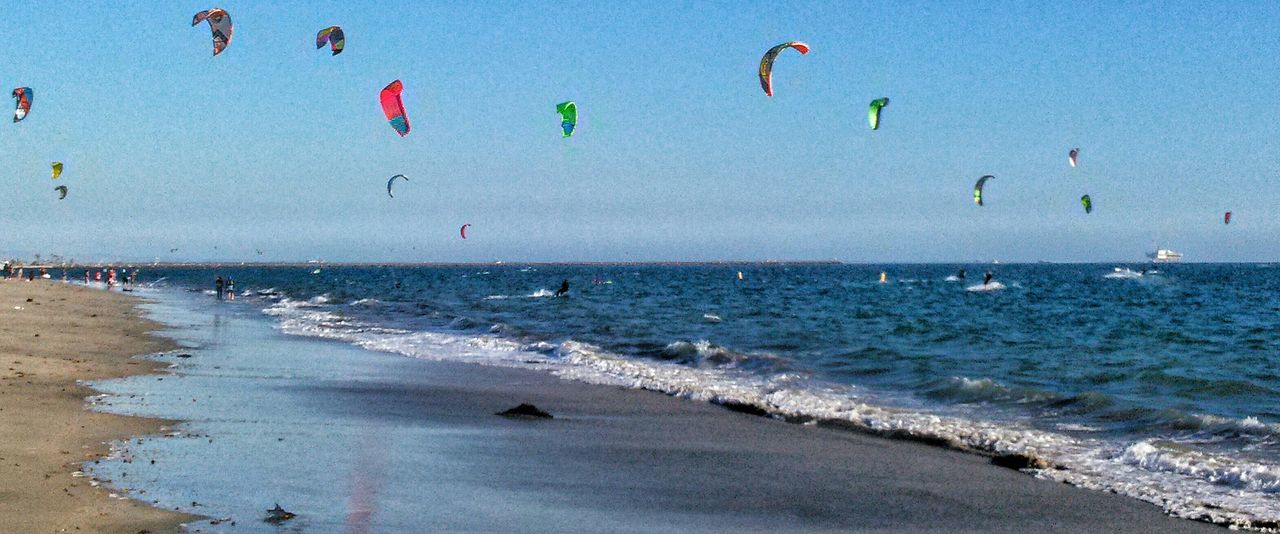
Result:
x=1161 y=382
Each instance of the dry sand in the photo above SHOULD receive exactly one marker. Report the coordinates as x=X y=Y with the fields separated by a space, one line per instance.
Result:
x=52 y=335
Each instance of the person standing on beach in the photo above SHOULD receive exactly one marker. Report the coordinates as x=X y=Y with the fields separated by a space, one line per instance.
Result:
x=231 y=289
x=217 y=286
x=86 y=278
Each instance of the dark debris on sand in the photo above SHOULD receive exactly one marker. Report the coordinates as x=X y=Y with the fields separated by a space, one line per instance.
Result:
x=1019 y=461
x=525 y=410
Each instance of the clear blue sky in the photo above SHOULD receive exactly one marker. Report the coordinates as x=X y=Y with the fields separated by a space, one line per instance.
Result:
x=276 y=146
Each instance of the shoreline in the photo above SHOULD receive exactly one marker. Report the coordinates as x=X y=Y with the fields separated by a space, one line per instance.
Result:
x=614 y=457
x=55 y=338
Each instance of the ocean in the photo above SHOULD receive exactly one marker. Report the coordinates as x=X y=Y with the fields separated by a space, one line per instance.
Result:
x=1163 y=386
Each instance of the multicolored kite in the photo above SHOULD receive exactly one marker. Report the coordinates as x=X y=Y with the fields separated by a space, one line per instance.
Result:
x=568 y=117
x=393 y=107
x=1226 y=218
x=873 y=114
x=23 y=95
x=333 y=36
x=463 y=230
x=219 y=23
x=766 y=63
x=1087 y=203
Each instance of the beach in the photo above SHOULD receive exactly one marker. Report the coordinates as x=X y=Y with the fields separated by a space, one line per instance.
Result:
x=355 y=440
x=54 y=335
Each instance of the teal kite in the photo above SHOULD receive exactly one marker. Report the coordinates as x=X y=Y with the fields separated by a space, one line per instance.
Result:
x=873 y=114
x=568 y=116
x=62 y=191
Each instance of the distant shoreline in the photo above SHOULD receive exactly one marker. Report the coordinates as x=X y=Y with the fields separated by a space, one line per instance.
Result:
x=709 y=263
x=315 y=265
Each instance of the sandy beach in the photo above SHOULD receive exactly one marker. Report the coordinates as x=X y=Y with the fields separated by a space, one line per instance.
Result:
x=53 y=336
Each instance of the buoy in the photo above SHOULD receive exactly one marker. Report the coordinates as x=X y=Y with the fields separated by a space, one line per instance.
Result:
x=883 y=278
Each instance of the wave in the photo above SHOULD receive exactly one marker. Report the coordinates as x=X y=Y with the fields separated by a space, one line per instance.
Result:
x=536 y=294
x=1185 y=482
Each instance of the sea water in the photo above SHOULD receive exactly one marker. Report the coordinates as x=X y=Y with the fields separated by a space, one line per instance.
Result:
x=1163 y=387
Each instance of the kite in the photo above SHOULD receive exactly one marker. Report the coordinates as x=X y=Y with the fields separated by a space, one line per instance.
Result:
x=333 y=36
x=1087 y=203
x=766 y=63
x=1073 y=156
x=62 y=191
x=23 y=95
x=568 y=116
x=463 y=230
x=977 y=189
x=219 y=23
x=873 y=114
x=1226 y=218
x=393 y=179
x=393 y=107
x=57 y=169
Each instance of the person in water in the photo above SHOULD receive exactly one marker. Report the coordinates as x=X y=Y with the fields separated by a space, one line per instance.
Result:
x=217 y=286
x=960 y=275
x=564 y=289
x=986 y=278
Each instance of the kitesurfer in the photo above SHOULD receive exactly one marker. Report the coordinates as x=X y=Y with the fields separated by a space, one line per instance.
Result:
x=986 y=278
x=217 y=286
x=960 y=274
x=564 y=289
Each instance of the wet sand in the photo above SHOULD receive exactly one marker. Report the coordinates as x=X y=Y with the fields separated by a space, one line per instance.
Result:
x=365 y=441
x=634 y=460
x=51 y=336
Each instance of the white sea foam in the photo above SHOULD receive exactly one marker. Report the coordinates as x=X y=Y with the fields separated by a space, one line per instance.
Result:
x=1123 y=274
x=1185 y=482
x=536 y=294
x=993 y=286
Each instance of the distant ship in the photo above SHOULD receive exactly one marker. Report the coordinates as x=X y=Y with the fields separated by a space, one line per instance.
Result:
x=1165 y=255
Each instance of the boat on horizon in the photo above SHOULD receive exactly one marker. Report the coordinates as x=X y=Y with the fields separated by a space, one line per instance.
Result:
x=1164 y=255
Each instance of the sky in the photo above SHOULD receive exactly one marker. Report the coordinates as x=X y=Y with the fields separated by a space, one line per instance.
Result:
x=277 y=147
